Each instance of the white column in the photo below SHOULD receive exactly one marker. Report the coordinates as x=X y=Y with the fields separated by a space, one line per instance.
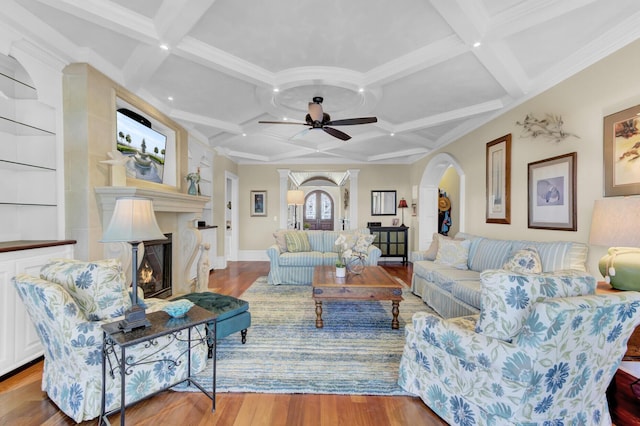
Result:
x=284 y=186
x=353 y=195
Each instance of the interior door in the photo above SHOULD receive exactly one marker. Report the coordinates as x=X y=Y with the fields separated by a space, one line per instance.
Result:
x=318 y=211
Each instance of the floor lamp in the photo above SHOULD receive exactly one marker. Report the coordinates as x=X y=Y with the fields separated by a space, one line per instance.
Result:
x=295 y=198
x=133 y=222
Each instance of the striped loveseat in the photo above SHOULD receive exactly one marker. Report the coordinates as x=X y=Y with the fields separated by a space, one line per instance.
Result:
x=453 y=289
x=297 y=268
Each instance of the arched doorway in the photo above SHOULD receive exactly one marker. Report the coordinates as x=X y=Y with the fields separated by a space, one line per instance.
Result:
x=318 y=212
x=428 y=197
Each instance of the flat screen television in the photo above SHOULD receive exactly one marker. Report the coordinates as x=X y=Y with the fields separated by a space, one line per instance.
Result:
x=145 y=146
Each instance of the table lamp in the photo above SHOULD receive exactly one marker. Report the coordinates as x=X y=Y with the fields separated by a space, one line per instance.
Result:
x=616 y=223
x=133 y=222
x=402 y=205
x=295 y=198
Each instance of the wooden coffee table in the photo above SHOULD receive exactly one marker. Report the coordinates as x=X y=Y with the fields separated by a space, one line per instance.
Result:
x=374 y=283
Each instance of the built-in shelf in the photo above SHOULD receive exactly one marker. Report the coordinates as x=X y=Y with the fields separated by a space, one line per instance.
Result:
x=23 y=167
x=13 y=127
x=28 y=159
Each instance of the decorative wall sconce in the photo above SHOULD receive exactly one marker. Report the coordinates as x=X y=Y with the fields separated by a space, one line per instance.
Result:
x=549 y=127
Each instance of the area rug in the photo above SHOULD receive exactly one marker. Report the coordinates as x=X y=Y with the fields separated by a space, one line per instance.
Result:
x=355 y=353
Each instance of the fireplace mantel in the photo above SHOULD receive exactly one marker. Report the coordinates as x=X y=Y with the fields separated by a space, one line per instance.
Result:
x=163 y=201
x=176 y=214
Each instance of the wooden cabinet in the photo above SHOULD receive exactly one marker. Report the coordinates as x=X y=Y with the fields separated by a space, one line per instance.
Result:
x=19 y=342
x=393 y=241
x=28 y=154
x=633 y=345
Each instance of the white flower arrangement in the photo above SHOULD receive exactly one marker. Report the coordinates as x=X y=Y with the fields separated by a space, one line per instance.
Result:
x=193 y=177
x=346 y=253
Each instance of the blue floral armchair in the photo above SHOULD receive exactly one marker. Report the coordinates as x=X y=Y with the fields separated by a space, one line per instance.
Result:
x=68 y=304
x=552 y=369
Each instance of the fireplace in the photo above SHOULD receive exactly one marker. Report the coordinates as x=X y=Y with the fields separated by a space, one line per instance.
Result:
x=154 y=272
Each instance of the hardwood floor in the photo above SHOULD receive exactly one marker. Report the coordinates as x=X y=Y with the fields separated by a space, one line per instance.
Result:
x=23 y=403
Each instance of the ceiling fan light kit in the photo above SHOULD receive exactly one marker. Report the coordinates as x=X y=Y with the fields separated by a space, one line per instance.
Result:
x=318 y=119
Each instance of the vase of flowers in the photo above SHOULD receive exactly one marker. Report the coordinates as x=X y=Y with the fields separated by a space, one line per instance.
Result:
x=193 y=179
x=341 y=266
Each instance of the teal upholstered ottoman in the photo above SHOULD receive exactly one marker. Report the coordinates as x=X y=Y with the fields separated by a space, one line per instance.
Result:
x=232 y=314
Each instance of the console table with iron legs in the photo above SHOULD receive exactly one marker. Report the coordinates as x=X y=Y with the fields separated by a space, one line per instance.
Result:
x=161 y=325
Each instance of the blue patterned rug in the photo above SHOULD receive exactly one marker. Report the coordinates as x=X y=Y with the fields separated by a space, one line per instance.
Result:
x=355 y=353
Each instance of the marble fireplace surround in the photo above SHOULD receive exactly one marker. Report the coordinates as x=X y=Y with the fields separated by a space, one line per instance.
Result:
x=176 y=213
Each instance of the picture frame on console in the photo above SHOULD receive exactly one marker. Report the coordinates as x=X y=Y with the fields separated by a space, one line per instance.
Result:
x=552 y=193
x=498 y=180
x=621 y=134
x=258 y=203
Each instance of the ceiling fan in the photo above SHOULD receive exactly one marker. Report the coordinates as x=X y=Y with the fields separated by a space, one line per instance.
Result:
x=318 y=119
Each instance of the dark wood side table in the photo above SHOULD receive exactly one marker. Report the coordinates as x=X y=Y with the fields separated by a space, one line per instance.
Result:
x=161 y=325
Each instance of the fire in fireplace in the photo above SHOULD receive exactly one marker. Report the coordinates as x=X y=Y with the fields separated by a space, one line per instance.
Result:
x=154 y=272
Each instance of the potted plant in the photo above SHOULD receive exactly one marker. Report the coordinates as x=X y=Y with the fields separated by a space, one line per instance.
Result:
x=341 y=267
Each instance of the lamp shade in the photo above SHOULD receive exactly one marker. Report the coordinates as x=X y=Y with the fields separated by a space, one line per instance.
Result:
x=402 y=204
x=133 y=220
x=616 y=222
x=295 y=197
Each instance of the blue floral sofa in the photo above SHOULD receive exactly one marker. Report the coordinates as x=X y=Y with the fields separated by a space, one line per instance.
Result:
x=447 y=275
x=68 y=305
x=292 y=262
x=538 y=354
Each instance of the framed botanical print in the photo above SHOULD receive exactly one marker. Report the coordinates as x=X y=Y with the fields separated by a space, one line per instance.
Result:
x=552 y=193
x=258 y=203
x=621 y=153
x=498 y=180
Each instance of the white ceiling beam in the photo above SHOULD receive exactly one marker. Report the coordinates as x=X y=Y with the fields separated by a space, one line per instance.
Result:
x=205 y=121
x=415 y=61
x=396 y=154
x=445 y=117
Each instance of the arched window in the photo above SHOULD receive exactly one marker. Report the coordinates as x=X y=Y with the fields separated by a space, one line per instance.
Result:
x=318 y=210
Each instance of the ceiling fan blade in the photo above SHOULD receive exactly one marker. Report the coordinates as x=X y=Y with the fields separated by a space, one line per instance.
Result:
x=337 y=133
x=315 y=111
x=282 y=122
x=352 y=121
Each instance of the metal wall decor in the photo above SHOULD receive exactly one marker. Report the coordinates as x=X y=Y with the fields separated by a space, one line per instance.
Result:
x=549 y=128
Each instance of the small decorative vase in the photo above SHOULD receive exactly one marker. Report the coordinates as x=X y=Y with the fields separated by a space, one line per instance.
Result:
x=192 y=188
x=341 y=272
x=355 y=265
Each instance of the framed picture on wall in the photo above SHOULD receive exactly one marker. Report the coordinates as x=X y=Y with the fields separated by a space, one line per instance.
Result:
x=552 y=193
x=258 y=203
x=498 y=180
x=621 y=143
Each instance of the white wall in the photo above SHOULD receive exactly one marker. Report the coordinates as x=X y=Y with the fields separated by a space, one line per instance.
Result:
x=582 y=101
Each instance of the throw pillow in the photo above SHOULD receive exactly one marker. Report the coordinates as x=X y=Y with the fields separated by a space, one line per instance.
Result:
x=281 y=240
x=524 y=261
x=432 y=251
x=97 y=287
x=507 y=298
x=453 y=253
x=297 y=242
x=363 y=242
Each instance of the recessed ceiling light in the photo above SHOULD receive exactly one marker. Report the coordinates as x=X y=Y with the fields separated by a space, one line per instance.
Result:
x=360 y=90
x=244 y=134
x=477 y=44
x=164 y=46
x=284 y=118
x=276 y=90
x=170 y=98
x=392 y=134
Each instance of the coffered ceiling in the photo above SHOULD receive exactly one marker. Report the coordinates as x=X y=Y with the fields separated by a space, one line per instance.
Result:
x=429 y=70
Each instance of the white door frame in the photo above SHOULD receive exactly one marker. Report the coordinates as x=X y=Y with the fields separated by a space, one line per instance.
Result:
x=234 y=237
